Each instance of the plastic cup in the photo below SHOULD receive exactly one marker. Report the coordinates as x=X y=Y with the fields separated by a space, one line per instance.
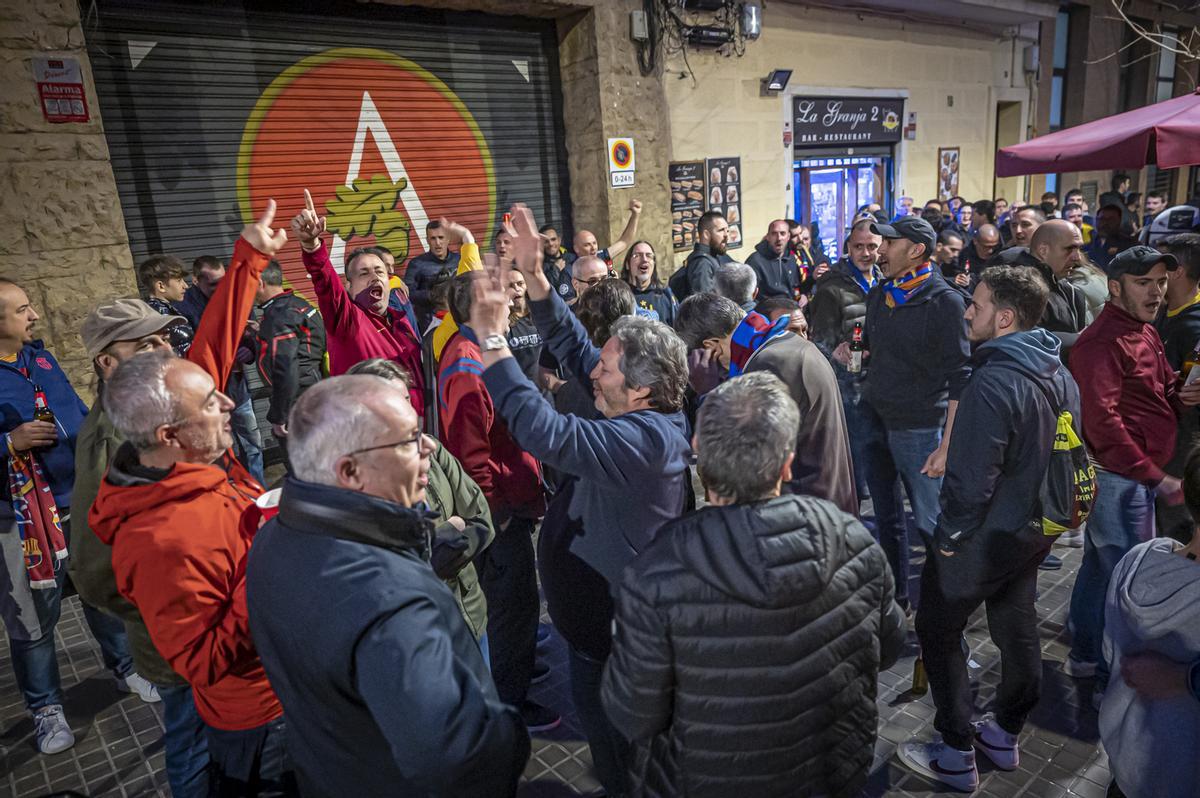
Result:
x=268 y=504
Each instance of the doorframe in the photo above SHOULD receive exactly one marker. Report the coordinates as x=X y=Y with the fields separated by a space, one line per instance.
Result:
x=899 y=149
x=997 y=95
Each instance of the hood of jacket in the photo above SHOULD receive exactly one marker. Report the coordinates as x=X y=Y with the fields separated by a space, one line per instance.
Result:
x=766 y=252
x=1159 y=593
x=127 y=491
x=771 y=553
x=357 y=517
x=843 y=272
x=1035 y=351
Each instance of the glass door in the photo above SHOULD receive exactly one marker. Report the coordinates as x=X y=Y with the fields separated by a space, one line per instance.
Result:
x=829 y=192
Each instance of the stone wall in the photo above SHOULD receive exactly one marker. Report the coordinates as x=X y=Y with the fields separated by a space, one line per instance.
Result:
x=66 y=242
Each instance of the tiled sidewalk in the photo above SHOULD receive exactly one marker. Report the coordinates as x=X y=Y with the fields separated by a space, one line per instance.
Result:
x=119 y=747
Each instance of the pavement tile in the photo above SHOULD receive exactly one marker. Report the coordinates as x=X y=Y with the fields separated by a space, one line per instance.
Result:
x=118 y=749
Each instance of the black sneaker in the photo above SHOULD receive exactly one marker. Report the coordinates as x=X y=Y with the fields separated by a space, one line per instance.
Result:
x=541 y=672
x=539 y=718
x=1051 y=563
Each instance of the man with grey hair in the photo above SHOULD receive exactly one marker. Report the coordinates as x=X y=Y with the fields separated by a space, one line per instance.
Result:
x=737 y=282
x=625 y=473
x=401 y=701
x=171 y=507
x=732 y=667
x=724 y=340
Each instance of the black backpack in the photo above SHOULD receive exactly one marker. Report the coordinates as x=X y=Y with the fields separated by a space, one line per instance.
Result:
x=1068 y=490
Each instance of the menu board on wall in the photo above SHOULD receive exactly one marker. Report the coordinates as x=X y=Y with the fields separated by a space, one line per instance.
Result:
x=687 y=201
x=725 y=194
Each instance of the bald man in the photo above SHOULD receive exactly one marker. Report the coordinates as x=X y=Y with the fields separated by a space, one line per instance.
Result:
x=1054 y=251
x=585 y=243
x=983 y=246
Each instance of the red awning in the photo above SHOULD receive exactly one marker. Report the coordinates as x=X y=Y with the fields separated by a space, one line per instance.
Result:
x=1166 y=134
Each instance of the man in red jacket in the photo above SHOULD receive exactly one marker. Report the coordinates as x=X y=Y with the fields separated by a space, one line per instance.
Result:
x=510 y=478
x=172 y=509
x=358 y=322
x=1129 y=396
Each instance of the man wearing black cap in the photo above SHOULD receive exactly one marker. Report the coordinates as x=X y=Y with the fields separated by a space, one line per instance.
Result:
x=917 y=341
x=1129 y=396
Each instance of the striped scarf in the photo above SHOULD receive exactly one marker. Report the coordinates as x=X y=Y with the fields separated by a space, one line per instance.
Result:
x=42 y=538
x=754 y=331
x=901 y=289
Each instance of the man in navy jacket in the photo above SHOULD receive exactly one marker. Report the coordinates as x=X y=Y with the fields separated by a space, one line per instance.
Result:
x=626 y=472
x=30 y=615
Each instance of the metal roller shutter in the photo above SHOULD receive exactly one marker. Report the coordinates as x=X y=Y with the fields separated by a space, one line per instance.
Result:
x=390 y=116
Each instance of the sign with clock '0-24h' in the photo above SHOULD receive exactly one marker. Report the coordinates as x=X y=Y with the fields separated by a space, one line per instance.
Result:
x=821 y=121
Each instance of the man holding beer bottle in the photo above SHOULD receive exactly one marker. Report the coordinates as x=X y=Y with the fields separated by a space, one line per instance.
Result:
x=1178 y=325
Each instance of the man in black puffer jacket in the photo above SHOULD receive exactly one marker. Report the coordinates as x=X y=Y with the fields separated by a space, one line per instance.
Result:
x=750 y=634
x=774 y=264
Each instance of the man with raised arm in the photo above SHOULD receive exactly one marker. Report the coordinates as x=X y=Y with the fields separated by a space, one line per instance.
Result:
x=358 y=321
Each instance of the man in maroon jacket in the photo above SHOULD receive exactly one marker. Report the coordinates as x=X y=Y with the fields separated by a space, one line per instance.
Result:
x=1129 y=395
x=510 y=478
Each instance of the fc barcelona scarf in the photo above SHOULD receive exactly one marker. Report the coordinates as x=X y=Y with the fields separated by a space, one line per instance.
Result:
x=900 y=290
x=42 y=538
x=754 y=331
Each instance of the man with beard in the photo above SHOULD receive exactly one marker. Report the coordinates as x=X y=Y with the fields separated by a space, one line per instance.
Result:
x=989 y=537
x=983 y=246
x=917 y=342
x=811 y=262
x=358 y=321
x=426 y=269
x=698 y=273
x=1110 y=237
x=557 y=261
x=1129 y=395
x=947 y=254
x=1023 y=223
x=774 y=264
x=523 y=338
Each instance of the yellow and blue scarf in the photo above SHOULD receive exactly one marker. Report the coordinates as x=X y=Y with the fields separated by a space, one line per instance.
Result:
x=901 y=289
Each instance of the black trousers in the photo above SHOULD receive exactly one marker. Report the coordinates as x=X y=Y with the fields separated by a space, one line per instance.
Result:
x=508 y=576
x=1012 y=620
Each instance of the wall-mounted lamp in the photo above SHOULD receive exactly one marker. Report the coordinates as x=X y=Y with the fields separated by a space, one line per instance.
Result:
x=751 y=20
x=778 y=80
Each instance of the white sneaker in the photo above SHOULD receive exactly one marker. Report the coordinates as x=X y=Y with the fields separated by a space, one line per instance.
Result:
x=942 y=763
x=1072 y=538
x=996 y=744
x=53 y=734
x=1078 y=669
x=134 y=683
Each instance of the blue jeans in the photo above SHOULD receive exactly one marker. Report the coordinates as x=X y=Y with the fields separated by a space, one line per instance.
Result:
x=248 y=438
x=611 y=753
x=185 y=744
x=1122 y=517
x=894 y=458
x=859 y=430
x=35 y=662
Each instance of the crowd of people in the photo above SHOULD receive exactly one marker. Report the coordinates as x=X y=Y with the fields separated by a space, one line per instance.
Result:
x=680 y=467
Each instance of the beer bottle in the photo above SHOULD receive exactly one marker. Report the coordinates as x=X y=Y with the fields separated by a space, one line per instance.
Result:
x=856 y=349
x=920 y=681
x=41 y=410
x=1189 y=364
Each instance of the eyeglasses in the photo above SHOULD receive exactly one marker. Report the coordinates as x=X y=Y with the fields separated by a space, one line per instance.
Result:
x=646 y=255
x=594 y=281
x=414 y=440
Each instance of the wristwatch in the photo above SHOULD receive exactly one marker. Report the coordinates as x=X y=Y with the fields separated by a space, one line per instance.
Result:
x=492 y=343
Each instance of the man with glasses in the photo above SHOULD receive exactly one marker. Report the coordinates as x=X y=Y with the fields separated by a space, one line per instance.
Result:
x=586 y=272
x=402 y=701
x=173 y=508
